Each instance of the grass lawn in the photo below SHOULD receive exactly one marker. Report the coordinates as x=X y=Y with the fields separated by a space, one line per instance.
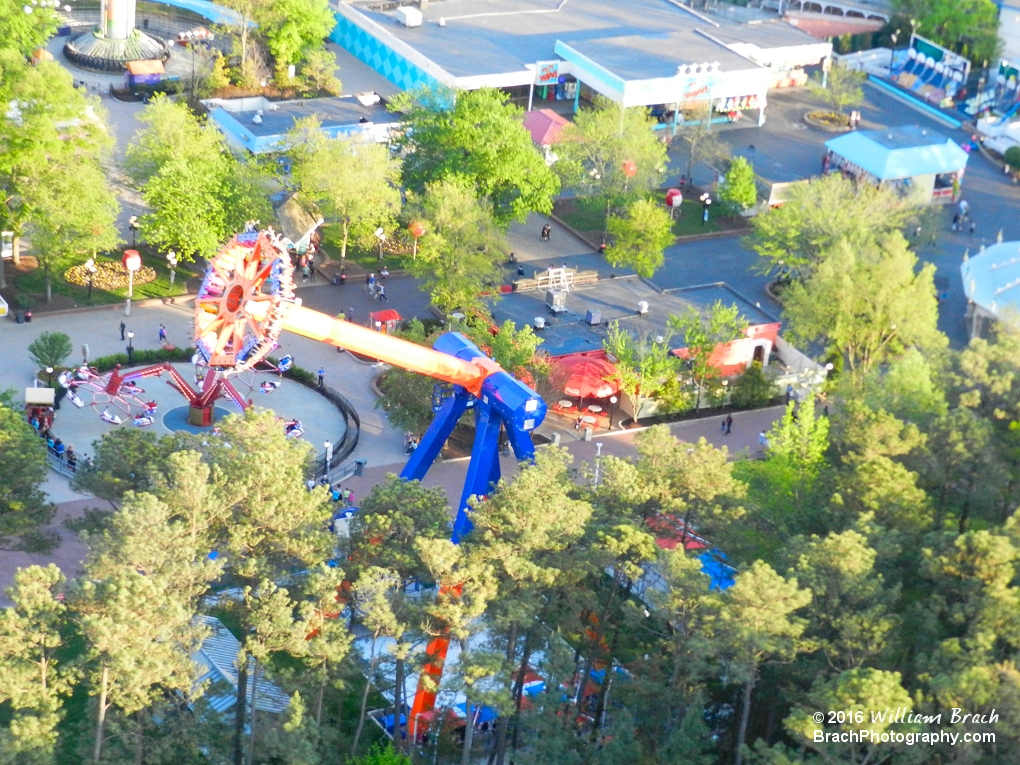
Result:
x=366 y=258
x=587 y=214
x=33 y=282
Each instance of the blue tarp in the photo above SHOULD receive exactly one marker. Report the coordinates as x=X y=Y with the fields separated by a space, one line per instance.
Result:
x=485 y=715
x=714 y=566
x=903 y=152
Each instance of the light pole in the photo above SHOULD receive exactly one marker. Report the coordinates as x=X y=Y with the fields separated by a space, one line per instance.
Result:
x=706 y=200
x=328 y=457
x=131 y=347
x=612 y=410
x=598 y=460
x=380 y=234
x=133 y=225
x=171 y=261
x=90 y=269
x=49 y=376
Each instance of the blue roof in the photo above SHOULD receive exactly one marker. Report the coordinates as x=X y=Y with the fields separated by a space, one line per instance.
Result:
x=903 y=152
x=991 y=279
x=217 y=14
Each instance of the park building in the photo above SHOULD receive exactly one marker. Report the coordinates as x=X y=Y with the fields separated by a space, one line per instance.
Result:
x=991 y=282
x=659 y=54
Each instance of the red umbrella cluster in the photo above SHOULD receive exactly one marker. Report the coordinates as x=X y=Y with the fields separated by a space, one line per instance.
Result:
x=585 y=376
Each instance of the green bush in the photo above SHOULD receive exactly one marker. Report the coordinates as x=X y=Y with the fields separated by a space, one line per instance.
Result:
x=50 y=349
x=753 y=388
x=1012 y=157
x=142 y=356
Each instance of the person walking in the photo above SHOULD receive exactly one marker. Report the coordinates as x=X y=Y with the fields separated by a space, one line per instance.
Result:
x=343 y=277
x=162 y=334
x=729 y=423
x=956 y=221
x=381 y=295
x=322 y=377
x=85 y=354
x=722 y=426
x=123 y=327
x=546 y=230
x=763 y=440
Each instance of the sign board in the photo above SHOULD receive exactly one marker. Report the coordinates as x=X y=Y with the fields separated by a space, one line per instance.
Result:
x=547 y=73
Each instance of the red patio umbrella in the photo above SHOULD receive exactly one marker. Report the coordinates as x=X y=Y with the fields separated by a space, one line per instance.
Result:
x=585 y=376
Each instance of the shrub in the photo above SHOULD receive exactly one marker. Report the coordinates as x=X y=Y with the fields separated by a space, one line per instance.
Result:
x=753 y=388
x=50 y=349
x=143 y=356
x=1012 y=157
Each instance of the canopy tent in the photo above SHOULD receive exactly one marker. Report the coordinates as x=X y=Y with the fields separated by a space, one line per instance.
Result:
x=585 y=376
x=545 y=126
x=897 y=153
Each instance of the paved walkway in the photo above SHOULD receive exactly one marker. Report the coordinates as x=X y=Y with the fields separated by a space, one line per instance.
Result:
x=743 y=440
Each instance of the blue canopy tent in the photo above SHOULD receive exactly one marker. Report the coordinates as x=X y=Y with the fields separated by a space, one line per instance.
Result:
x=919 y=162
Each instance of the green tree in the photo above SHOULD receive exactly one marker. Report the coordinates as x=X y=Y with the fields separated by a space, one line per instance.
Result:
x=23 y=464
x=462 y=251
x=867 y=301
x=199 y=192
x=850 y=616
x=753 y=388
x=700 y=143
x=645 y=366
x=123 y=459
x=56 y=126
x=845 y=87
x=855 y=689
x=756 y=625
x=75 y=214
x=639 y=238
x=970 y=27
x=740 y=191
x=320 y=71
x=25 y=27
x=50 y=349
x=516 y=350
x=611 y=152
x=407 y=399
x=795 y=237
x=702 y=335
x=356 y=186
x=35 y=682
x=293 y=28
x=476 y=135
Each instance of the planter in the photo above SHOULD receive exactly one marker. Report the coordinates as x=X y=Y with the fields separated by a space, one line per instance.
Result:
x=830 y=122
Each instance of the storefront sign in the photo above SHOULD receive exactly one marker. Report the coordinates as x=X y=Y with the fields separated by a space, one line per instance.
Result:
x=547 y=72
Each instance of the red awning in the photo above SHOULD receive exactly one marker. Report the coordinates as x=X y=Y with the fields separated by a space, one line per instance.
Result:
x=384 y=316
x=585 y=376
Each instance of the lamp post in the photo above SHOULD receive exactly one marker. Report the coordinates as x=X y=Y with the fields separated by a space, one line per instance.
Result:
x=171 y=261
x=49 y=376
x=706 y=201
x=328 y=457
x=598 y=460
x=130 y=347
x=380 y=234
x=133 y=225
x=90 y=269
x=612 y=410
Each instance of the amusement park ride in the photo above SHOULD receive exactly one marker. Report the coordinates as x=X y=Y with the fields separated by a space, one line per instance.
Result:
x=247 y=299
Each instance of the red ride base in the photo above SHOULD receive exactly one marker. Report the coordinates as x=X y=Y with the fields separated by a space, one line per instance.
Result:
x=201 y=416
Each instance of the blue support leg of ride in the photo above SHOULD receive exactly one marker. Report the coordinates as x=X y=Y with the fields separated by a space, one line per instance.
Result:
x=521 y=443
x=481 y=470
x=432 y=441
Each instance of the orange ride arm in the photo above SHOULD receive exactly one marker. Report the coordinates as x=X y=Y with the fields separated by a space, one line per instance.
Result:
x=387 y=348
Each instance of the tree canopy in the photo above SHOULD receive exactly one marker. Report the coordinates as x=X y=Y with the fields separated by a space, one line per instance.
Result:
x=639 y=237
x=475 y=135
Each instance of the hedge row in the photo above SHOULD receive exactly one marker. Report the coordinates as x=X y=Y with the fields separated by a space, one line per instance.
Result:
x=142 y=356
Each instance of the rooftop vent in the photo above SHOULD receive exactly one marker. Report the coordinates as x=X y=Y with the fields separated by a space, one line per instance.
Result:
x=442 y=22
x=642 y=307
x=539 y=322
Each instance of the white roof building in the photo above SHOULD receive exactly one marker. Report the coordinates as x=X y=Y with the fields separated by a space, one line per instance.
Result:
x=991 y=282
x=217 y=662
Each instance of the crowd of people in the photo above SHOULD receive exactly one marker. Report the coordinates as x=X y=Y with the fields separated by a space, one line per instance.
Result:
x=41 y=420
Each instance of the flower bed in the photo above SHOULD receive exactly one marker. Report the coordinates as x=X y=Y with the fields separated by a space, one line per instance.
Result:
x=108 y=276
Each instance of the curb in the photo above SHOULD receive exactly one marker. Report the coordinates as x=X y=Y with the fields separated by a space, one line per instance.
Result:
x=583 y=237
x=114 y=306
